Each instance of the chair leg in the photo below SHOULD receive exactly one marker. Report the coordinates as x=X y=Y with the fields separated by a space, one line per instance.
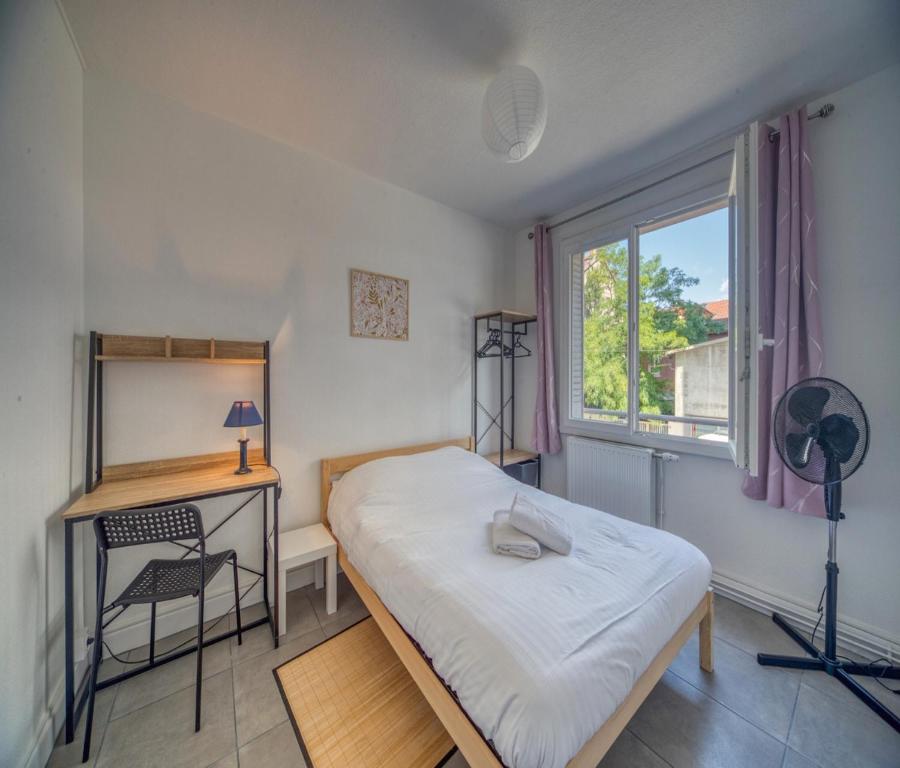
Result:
x=199 y=659
x=96 y=657
x=237 y=598
x=152 y=632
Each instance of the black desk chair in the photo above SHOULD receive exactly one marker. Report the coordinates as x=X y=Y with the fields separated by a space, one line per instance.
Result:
x=159 y=580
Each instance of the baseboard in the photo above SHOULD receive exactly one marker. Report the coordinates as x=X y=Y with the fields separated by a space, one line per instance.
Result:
x=43 y=743
x=860 y=639
x=51 y=724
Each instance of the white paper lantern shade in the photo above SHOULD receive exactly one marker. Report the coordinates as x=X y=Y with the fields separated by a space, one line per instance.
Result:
x=514 y=114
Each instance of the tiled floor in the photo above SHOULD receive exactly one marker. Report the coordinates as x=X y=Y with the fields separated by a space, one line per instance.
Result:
x=741 y=715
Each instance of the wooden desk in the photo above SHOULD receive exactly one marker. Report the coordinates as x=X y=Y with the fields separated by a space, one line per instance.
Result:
x=127 y=486
x=189 y=479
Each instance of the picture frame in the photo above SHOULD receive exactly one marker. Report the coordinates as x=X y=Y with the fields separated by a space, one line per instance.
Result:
x=379 y=306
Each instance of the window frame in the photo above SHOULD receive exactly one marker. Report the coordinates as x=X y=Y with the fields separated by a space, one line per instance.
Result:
x=627 y=227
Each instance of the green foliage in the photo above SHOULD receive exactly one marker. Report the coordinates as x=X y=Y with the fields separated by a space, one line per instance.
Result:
x=666 y=321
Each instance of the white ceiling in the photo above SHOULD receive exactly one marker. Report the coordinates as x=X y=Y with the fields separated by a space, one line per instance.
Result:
x=394 y=87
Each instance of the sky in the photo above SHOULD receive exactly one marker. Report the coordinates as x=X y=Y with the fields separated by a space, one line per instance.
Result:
x=700 y=247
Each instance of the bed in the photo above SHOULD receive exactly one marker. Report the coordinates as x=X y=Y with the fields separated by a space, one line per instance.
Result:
x=526 y=663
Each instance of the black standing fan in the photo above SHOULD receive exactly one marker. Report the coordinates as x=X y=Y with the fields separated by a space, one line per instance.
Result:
x=822 y=435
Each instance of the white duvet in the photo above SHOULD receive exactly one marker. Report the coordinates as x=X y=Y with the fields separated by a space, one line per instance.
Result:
x=539 y=652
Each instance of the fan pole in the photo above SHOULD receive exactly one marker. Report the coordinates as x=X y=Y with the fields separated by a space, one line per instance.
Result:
x=833 y=512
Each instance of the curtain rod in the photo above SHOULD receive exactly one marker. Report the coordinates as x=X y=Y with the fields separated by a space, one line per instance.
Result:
x=637 y=191
x=825 y=111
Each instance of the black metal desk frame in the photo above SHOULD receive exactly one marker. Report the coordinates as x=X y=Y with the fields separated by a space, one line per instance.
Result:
x=76 y=698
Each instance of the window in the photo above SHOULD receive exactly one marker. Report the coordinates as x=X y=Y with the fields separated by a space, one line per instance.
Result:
x=656 y=306
x=683 y=358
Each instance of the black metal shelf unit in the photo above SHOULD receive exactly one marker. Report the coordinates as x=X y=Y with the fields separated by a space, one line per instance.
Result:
x=501 y=334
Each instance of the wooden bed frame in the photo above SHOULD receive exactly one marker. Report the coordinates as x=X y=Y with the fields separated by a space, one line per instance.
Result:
x=474 y=748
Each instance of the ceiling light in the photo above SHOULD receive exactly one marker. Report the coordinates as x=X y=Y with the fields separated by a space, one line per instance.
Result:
x=514 y=114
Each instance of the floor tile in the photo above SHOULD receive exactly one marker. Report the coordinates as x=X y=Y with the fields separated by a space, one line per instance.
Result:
x=163 y=732
x=689 y=729
x=229 y=761
x=456 y=761
x=258 y=703
x=834 y=687
x=301 y=618
x=630 y=752
x=110 y=667
x=254 y=641
x=277 y=748
x=833 y=733
x=301 y=615
x=750 y=630
x=65 y=755
x=348 y=602
x=796 y=760
x=176 y=675
x=763 y=695
x=345 y=621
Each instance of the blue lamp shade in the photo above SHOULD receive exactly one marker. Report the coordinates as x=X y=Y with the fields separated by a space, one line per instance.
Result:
x=243 y=414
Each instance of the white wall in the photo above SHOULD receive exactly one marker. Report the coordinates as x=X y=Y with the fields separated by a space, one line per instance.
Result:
x=759 y=551
x=196 y=227
x=41 y=263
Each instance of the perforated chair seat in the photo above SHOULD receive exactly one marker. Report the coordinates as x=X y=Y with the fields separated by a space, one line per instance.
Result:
x=170 y=579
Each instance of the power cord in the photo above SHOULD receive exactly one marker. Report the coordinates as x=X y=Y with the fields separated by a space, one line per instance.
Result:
x=871 y=666
x=185 y=642
x=270 y=466
x=812 y=637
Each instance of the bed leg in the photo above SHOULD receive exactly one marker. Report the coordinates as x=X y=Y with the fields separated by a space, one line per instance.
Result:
x=706 y=635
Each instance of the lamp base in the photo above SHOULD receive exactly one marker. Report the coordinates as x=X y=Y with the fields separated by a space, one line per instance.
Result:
x=243 y=469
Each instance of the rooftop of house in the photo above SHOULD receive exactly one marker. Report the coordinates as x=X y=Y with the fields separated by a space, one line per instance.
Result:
x=718 y=310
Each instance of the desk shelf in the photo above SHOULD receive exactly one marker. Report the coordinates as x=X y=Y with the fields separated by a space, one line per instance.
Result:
x=106 y=348
x=153 y=359
x=168 y=349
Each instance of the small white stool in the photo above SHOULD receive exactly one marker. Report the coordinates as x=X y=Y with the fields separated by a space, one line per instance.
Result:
x=301 y=547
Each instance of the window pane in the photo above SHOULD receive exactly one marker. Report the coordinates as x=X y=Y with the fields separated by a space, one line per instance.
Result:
x=604 y=277
x=683 y=326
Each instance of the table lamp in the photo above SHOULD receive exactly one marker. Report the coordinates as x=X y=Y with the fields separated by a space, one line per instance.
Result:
x=243 y=414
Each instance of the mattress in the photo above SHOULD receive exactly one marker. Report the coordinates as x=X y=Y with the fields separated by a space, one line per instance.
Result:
x=539 y=653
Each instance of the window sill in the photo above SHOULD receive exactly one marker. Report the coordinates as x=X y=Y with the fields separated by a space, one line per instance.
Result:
x=612 y=433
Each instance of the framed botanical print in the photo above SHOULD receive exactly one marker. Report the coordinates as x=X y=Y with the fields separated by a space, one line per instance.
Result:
x=379 y=306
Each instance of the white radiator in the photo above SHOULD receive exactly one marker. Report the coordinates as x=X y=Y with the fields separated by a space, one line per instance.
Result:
x=614 y=478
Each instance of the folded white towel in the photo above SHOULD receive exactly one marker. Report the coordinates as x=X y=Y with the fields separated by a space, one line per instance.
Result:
x=551 y=530
x=506 y=540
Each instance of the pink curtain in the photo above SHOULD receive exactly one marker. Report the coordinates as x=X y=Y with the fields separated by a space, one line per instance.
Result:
x=546 y=422
x=788 y=302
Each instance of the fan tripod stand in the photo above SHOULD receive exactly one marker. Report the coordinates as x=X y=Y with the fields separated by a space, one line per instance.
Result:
x=827 y=660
